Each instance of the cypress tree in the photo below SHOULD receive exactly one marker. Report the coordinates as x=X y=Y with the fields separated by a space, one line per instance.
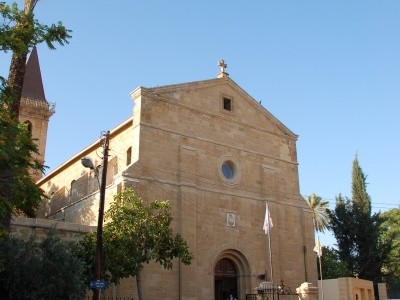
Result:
x=368 y=262
x=357 y=230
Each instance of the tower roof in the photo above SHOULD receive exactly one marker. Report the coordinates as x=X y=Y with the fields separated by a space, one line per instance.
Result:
x=33 y=85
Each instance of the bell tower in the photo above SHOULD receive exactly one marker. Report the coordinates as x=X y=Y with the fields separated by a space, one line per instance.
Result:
x=35 y=111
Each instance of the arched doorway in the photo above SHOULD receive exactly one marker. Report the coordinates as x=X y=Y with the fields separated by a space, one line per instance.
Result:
x=225 y=279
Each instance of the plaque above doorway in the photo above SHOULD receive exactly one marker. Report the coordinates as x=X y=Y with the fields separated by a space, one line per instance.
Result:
x=230 y=219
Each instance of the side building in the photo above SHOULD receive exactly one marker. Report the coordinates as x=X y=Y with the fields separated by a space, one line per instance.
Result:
x=218 y=156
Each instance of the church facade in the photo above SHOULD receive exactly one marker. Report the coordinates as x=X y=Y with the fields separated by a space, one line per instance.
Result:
x=219 y=157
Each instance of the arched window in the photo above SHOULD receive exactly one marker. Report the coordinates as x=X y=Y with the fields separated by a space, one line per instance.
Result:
x=74 y=191
x=129 y=156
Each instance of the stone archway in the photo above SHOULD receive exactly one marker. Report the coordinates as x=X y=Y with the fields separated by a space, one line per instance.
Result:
x=231 y=275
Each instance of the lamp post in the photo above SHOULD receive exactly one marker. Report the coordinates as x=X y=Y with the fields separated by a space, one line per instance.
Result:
x=86 y=162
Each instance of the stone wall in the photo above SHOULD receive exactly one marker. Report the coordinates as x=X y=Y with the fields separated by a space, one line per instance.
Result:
x=181 y=138
x=26 y=228
x=346 y=288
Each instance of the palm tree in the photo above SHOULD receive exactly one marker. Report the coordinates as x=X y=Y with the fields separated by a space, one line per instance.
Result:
x=319 y=209
x=321 y=221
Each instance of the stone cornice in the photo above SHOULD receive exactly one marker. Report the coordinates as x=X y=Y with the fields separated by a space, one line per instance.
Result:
x=271 y=198
x=59 y=225
x=217 y=143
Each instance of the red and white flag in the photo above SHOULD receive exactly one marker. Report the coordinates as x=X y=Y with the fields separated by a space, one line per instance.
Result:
x=267 y=220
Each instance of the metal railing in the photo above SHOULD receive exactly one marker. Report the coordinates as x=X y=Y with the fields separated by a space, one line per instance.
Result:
x=111 y=298
x=271 y=292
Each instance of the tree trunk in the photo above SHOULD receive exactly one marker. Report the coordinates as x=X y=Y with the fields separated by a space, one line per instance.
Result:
x=18 y=64
x=16 y=81
x=139 y=285
x=6 y=193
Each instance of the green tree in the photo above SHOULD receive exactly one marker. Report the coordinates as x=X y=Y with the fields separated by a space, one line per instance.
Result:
x=19 y=31
x=342 y=227
x=135 y=234
x=46 y=270
x=357 y=231
x=18 y=193
x=390 y=232
x=332 y=266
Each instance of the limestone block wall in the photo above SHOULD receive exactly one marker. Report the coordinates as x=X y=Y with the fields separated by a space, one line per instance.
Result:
x=201 y=217
x=26 y=228
x=346 y=288
x=185 y=137
x=181 y=138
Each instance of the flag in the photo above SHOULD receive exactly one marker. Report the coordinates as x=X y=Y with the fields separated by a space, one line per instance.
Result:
x=318 y=248
x=267 y=220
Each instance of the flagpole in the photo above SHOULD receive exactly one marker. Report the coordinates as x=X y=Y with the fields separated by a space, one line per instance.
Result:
x=267 y=230
x=270 y=255
x=318 y=250
x=322 y=281
x=266 y=258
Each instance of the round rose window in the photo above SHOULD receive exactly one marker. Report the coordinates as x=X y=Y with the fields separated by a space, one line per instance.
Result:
x=228 y=170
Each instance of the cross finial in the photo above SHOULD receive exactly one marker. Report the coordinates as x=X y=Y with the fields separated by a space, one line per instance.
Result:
x=223 y=66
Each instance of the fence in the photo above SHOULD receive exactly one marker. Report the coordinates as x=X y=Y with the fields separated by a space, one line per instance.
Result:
x=111 y=298
x=273 y=293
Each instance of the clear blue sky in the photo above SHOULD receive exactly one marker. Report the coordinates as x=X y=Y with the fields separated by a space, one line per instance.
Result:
x=329 y=70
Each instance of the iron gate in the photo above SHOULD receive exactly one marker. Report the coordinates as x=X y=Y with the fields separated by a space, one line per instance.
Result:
x=271 y=292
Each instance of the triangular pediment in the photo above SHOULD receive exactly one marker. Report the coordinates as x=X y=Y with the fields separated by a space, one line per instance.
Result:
x=209 y=95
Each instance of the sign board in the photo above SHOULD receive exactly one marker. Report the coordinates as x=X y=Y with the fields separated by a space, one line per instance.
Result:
x=98 y=284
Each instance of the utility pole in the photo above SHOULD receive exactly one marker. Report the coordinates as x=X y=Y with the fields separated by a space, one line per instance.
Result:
x=99 y=241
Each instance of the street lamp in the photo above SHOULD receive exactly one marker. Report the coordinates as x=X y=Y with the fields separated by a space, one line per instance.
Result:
x=88 y=163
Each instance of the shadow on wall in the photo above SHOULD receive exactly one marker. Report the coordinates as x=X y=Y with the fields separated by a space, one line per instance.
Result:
x=83 y=212
x=77 y=204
